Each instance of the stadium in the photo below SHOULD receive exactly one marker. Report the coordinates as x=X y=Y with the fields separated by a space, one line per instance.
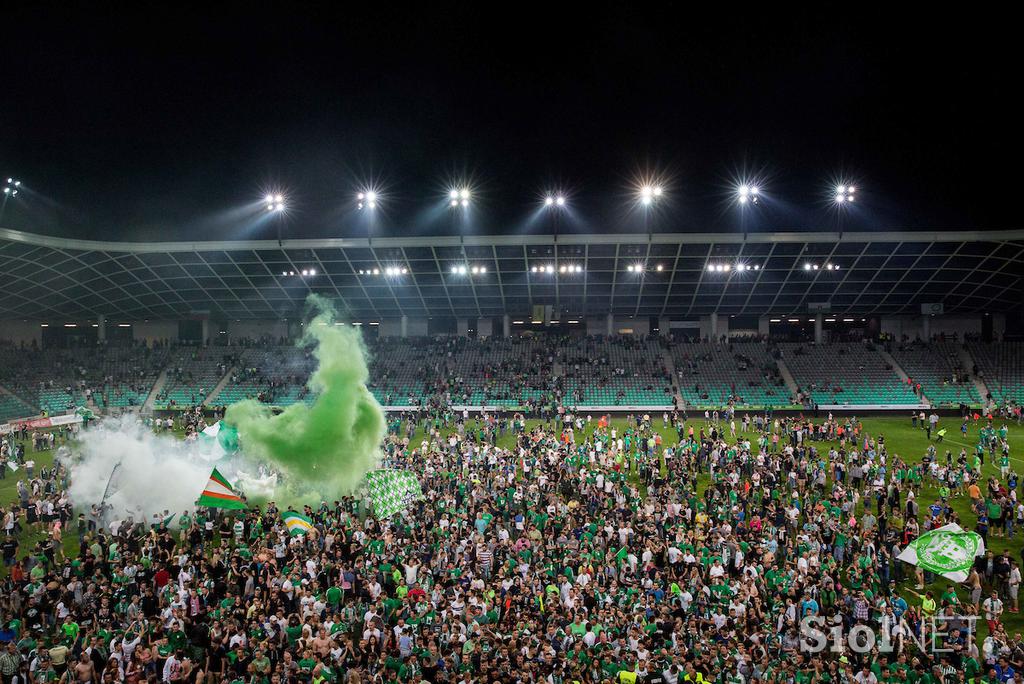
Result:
x=855 y=322
x=345 y=345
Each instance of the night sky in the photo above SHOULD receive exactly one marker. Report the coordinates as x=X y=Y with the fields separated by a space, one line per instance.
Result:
x=164 y=124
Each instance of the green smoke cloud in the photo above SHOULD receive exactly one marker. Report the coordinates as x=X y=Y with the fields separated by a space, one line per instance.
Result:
x=323 y=449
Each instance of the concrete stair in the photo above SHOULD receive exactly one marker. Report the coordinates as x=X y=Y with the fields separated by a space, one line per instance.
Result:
x=147 y=406
x=670 y=366
x=967 y=362
x=787 y=376
x=898 y=369
x=220 y=386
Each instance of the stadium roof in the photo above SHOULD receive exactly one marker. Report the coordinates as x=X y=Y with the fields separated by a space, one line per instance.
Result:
x=782 y=273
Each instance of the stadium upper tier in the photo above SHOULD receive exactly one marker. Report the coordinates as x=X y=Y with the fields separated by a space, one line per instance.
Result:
x=659 y=274
x=535 y=370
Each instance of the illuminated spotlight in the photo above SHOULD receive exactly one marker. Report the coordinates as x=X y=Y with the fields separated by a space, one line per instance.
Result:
x=807 y=267
x=305 y=272
x=726 y=267
x=274 y=202
x=548 y=201
x=562 y=268
x=560 y=201
x=650 y=193
x=549 y=269
x=459 y=196
x=845 y=194
x=376 y=271
x=747 y=193
x=815 y=267
x=659 y=268
x=367 y=199
x=533 y=269
x=741 y=267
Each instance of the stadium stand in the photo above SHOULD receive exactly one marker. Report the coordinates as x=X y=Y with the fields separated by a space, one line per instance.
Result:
x=743 y=373
x=936 y=367
x=844 y=373
x=55 y=380
x=1001 y=366
x=275 y=374
x=615 y=371
x=523 y=371
x=192 y=374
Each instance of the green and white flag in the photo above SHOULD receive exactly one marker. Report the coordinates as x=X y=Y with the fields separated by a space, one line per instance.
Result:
x=948 y=551
x=297 y=523
x=390 y=491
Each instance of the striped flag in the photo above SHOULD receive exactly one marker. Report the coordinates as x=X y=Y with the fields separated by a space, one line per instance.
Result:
x=296 y=523
x=220 y=494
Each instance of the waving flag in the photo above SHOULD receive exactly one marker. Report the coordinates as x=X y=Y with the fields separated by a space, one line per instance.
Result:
x=296 y=523
x=948 y=551
x=392 y=490
x=220 y=494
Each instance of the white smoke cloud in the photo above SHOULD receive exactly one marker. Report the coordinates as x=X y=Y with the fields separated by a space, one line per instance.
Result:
x=158 y=471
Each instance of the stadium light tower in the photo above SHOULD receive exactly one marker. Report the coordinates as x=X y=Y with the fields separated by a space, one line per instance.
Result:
x=650 y=193
x=12 y=187
x=459 y=197
x=554 y=203
x=845 y=194
x=275 y=202
x=747 y=193
x=367 y=199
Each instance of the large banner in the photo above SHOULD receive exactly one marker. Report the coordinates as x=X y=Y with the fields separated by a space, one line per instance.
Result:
x=948 y=551
x=40 y=423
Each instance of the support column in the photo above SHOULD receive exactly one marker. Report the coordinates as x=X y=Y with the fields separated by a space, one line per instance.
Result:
x=206 y=331
x=463 y=327
x=404 y=330
x=484 y=327
x=819 y=335
x=506 y=325
x=926 y=328
x=611 y=325
x=101 y=328
x=714 y=327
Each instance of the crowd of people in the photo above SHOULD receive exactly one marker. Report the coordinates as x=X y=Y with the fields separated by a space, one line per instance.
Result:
x=576 y=549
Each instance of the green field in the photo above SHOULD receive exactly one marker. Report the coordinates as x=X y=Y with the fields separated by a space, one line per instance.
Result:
x=901 y=440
